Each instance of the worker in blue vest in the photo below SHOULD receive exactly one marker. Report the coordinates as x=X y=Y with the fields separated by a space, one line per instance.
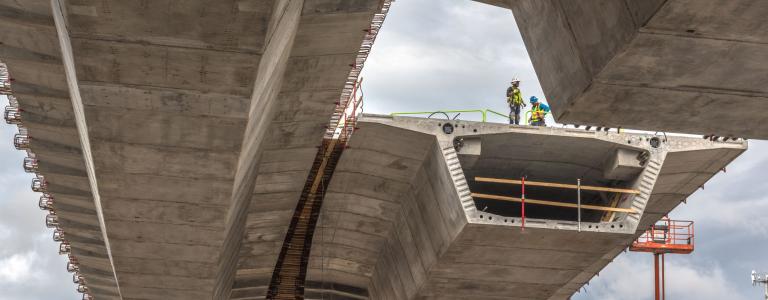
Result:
x=538 y=112
x=515 y=101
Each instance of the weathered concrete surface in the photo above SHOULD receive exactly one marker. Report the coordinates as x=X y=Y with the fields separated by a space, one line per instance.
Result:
x=178 y=98
x=694 y=66
x=30 y=48
x=326 y=44
x=164 y=164
x=398 y=221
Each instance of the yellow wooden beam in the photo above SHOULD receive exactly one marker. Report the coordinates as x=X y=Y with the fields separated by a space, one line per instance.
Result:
x=608 y=215
x=553 y=203
x=557 y=185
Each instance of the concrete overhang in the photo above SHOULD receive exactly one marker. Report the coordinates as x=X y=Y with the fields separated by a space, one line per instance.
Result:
x=166 y=89
x=693 y=66
x=499 y=3
x=399 y=220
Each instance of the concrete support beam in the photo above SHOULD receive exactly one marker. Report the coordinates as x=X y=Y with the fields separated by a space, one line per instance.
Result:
x=269 y=81
x=82 y=126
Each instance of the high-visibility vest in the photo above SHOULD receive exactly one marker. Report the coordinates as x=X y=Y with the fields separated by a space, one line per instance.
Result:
x=537 y=113
x=516 y=98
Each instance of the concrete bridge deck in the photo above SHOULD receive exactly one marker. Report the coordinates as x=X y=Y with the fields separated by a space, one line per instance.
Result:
x=399 y=222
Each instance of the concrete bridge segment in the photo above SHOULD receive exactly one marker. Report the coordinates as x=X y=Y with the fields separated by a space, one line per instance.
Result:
x=399 y=222
x=692 y=66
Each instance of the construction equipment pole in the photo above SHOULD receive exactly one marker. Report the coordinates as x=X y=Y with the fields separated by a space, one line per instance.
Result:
x=578 y=201
x=663 y=282
x=522 y=207
x=656 y=275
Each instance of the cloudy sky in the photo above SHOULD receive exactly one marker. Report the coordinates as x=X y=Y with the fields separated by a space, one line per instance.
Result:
x=441 y=55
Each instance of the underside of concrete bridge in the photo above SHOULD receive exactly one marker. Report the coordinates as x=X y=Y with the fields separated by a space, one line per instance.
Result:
x=166 y=130
x=175 y=138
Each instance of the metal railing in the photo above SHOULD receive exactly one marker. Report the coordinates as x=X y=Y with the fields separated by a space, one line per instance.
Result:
x=21 y=140
x=64 y=248
x=666 y=236
x=669 y=232
x=52 y=220
x=13 y=115
x=343 y=121
x=30 y=165
x=5 y=81
x=39 y=184
x=345 y=115
x=58 y=236
x=72 y=266
x=46 y=202
x=483 y=113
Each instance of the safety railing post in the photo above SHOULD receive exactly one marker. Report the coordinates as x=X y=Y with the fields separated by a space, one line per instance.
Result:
x=578 y=201
x=522 y=206
x=656 y=275
x=528 y=115
x=663 y=283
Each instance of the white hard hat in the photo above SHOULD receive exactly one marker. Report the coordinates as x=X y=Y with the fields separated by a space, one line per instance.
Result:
x=515 y=79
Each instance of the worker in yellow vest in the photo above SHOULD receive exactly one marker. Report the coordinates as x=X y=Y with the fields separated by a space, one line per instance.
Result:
x=538 y=112
x=515 y=101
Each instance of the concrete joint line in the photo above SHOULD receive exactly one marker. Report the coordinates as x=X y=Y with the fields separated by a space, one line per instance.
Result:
x=661 y=31
x=684 y=88
x=82 y=128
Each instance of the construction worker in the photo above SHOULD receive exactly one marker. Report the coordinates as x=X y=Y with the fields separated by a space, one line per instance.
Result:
x=538 y=112
x=515 y=101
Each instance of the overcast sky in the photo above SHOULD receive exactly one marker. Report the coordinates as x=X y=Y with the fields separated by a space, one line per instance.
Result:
x=440 y=55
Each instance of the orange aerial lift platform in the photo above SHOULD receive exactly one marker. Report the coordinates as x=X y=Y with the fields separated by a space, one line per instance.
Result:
x=665 y=237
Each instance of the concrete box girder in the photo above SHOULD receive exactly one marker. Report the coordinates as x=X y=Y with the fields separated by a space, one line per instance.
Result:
x=396 y=223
